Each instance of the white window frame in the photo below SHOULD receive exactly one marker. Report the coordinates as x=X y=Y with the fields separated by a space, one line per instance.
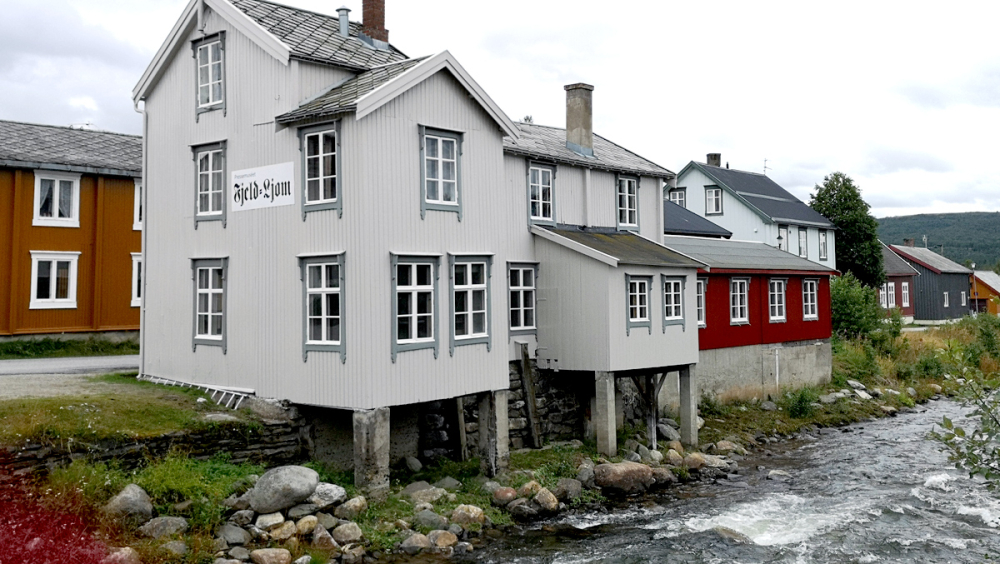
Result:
x=414 y=290
x=524 y=294
x=73 y=220
x=439 y=142
x=890 y=295
x=53 y=257
x=321 y=158
x=137 y=206
x=673 y=299
x=823 y=252
x=638 y=301
x=216 y=156
x=739 y=313
x=464 y=286
x=777 y=300
x=803 y=242
x=810 y=299
x=783 y=243
x=536 y=193
x=906 y=294
x=701 y=292
x=946 y=299
x=882 y=300
x=964 y=300
x=678 y=196
x=627 y=199
x=713 y=201
x=323 y=291
x=211 y=291
x=212 y=102
x=136 y=280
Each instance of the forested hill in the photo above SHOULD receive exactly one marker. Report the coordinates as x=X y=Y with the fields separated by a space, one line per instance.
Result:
x=972 y=235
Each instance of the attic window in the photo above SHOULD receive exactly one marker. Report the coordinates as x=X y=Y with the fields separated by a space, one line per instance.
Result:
x=210 y=73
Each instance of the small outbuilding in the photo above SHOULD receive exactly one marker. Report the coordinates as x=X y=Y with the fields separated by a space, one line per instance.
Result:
x=900 y=277
x=985 y=290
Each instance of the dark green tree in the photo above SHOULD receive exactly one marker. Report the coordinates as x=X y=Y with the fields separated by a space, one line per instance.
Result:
x=857 y=246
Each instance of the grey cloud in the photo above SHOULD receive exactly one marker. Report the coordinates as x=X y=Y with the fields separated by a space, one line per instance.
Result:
x=888 y=161
x=981 y=89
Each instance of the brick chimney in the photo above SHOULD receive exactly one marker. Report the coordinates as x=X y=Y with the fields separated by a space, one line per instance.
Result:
x=373 y=20
x=714 y=159
x=580 y=118
x=909 y=242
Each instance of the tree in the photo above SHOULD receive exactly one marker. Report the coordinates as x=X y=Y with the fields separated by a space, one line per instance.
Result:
x=858 y=248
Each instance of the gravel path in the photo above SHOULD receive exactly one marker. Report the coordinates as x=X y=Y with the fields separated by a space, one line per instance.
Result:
x=48 y=377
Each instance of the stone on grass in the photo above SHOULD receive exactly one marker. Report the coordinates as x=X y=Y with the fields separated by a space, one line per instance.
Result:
x=234 y=535
x=888 y=409
x=442 y=539
x=529 y=489
x=423 y=507
x=430 y=495
x=219 y=545
x=586 y=477
x=856 y=385
x=239 y=553
x=328 y=521
x=123 y=555
x=352 y=508
x=863 y=394
x=694 y=461
x=415 y=487
x=269 y=521
x=271 y=555
x=633 y=457
x=413 y=464
x=656 y=456
x=546 y=500
x=427 y=519
x=354 y=554
x=448 y=483
x=131 y=506
x=713 y=461
x=414 y=544
x=935 y=388
x=347 y=533
x=911 y=392
x=225 y=561
x=283 y=487
x=568 y=489
x=303 y=560
x=768 y=406
x=242 y=518
x=674 y=458
x=327 y=495
x=322 y=539
x=301 y=510
x=490 y=487
x=668 y=433
x=306 y=524
x=467 y=515
x=175 y=549
x=726 y=447
x=623 y=477
x=828 y=399
x=503 y=496
x=163 y=527
x=283 y=531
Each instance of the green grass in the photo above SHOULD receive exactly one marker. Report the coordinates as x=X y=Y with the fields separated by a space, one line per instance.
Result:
x=52 y=348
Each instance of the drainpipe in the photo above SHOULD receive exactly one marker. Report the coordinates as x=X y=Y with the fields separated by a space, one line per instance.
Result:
x=777 y=379
x=142 y=237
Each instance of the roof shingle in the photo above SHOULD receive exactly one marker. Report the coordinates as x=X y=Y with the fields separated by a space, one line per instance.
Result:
x=32 y=145
x=627 y=247
x=928 y=258
x=680 y=221
x=894 y=265
x=741 y=255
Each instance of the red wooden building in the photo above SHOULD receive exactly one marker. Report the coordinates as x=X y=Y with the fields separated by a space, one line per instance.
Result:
x=900 y=287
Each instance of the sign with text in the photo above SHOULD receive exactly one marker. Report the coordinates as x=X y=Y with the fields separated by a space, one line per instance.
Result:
x=263 y=187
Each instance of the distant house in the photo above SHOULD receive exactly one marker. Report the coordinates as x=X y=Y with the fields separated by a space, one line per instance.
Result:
x=70 y=230
x=898 y=290
x=942 y=288
x=754 y=208
x=985 y=290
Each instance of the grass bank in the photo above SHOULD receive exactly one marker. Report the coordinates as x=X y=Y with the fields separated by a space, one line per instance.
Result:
x=53 y=348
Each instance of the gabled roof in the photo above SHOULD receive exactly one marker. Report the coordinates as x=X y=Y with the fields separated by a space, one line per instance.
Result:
x=990 y=279
x=762 y=195
x=680 y=221
x=614 y=247
x=929 y=260
x=549 y=144
x=29 y=145
x=724 y=254
x=894 y=265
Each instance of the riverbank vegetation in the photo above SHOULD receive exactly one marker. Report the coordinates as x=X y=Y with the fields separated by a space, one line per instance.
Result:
x=53 y=348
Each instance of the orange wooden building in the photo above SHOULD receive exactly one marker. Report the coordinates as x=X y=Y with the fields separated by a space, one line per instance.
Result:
x=985 y=289
x=70 y=230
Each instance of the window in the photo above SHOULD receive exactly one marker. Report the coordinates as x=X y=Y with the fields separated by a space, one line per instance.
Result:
x=803 y=242
x=210 y=281
x=713 y=201
x=882 y=301
x=209 y=54
x=700 y=288
x=521 y=281
x=673 y=302
x=810 y=300
x=906 y=294
x=470 y=300
x=638 y=303
x=540 y=205
x=136 y=279
x=414 y=307
x=679 y=197
x=964 y=302
x=739 y=310
x=210 y=183
x=890 y=295
x=53 y=280
x=320 y=148
x=57 y=199
x=822 y=245
x=440 y=171
x=628 y=203
x=783 y=243
x=776 y=300
x=137 y=206
x=322 y=304
x=946 y=299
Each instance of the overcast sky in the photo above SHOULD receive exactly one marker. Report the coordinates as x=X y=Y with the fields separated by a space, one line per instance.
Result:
x=904 y=97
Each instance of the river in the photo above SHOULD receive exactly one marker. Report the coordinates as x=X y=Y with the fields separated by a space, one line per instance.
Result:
x=873 y=492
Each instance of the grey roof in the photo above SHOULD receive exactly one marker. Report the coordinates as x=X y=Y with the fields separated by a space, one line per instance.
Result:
x=929 y=259
x=29 y=145
x=681 y=221
x=344 y=97
x=627 y=247
x=316 y=37
x=894 y=265
x=990 y=278
x=549 y=143
x=764 y=194
x=741 y=255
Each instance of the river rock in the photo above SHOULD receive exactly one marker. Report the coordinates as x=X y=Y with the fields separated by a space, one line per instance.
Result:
x=430 y=495
x=269 y=521
x=768 y=406
x=663 y=477
x=427 y=519
x=327 y=495
x=463 y=548
x=175 y=549
x=911 y=392
x=633 y=457
x=448 y=483
x=935 y=388
x=863 y=394
x=415 y=487
x=521 y=508
x=271 y=556
x=778 y=475
x=239 y=553
x=888 y=409
x=442 y=539
x=413 y=464
x=546 y=500
x=668 y=433
x=123 y=555
x=503 y=496
x=423 y=507
x=490 y=486
x=242 y=518
x=623 y=477
x=568 y=489
x=163 y=527
x=352 y=508
x=131 y=506
x=468 y=515
x=301 y=510
x=676 y=445
x=694 y=461
x=586 y=477
x=892 y=392
x=656 y=456
x=669 y=422
x=414 y=544
x=674 y=458
x=354 y=554
x=307 y=559
x=328 y=521
x=726 y=447
x=283 y=487
x=732 y=535
x=713 y=461
x=347 y=533
x=630 y=445
x=856 y=385
x=233 y=535
x=529 y=489
x=283 y=531
x=306 y=524
x=322 y=539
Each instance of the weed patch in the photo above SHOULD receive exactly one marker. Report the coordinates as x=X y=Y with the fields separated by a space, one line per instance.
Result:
x=53 y=348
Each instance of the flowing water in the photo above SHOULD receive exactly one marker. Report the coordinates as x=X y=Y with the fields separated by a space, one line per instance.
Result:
x=873 y=492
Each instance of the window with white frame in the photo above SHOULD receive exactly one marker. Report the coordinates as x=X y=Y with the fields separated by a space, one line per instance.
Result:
x=783 y=242
x=946 y=299
x=906 y=293
x=136 y=280
x=210 y=179
x=673 y=299
x=637 y=289
x=713 y=201
x=700 y=289
x=210 y=311
x=822 y=245
x=739 y=301
x=53 y=280
x=679 y=197
x=964 y=299
x=628 y=202
x=470 y=298
x=137 y=206
x=210 y=72
x=321 y=167
x=881 y=296
x=415 y=307
x=322 y=305
x=776 y=300
x=521 y=285
x=810 y=300
x=803 y=242
x=540 y=196
x=890 y=295
x=57 y=199
x=440 y=171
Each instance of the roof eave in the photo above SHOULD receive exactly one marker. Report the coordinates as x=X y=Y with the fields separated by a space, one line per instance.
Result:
x=595 y=165
x=104 y=171
x=731 y=191
x=574 y=246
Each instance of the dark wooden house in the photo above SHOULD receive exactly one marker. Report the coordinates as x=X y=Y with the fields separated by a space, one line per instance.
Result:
x=900 y=283
x=942 y=287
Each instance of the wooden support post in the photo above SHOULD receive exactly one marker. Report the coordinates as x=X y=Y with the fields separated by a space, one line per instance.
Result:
x=604 y=414
x=528 y=385
x=689 y=406
x=652 y=411
x=494 y=435
x=463 y=448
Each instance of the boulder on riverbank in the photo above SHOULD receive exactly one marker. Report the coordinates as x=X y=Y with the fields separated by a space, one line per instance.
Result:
x=627 y=478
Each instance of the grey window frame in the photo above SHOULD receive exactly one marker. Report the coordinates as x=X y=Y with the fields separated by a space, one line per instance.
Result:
x=221 y=262
x=682 y=321
x=435 y=262
x=307 y=347
x=721 y=200
x=732 y=320
x=533 y=330
x=803 y=238
x=638 y=184
x=946 y=300
x=338 y=204
x=527 y=186
x=455 y=259
x=822 y=239
x=703 y=282
x=199 y=109
x=459 y=138
x=648 y=322
x=682 y=191
x=206 y=147
x=784 y=300
x=815 y=283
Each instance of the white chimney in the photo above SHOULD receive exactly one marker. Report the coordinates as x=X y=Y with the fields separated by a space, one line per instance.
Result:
x=345 y=23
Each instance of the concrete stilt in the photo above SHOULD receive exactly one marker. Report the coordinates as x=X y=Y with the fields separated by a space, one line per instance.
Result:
x=494 y=435
x=604 y=413
x=689 y=406
x=371 y=451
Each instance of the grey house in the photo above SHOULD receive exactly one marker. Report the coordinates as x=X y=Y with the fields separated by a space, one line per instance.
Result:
x=942 y=285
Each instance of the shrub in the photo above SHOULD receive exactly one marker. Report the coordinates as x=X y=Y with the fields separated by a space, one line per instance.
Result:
x=855 y=308
x=929 y=364
x=799 y=403
x=710 y=406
